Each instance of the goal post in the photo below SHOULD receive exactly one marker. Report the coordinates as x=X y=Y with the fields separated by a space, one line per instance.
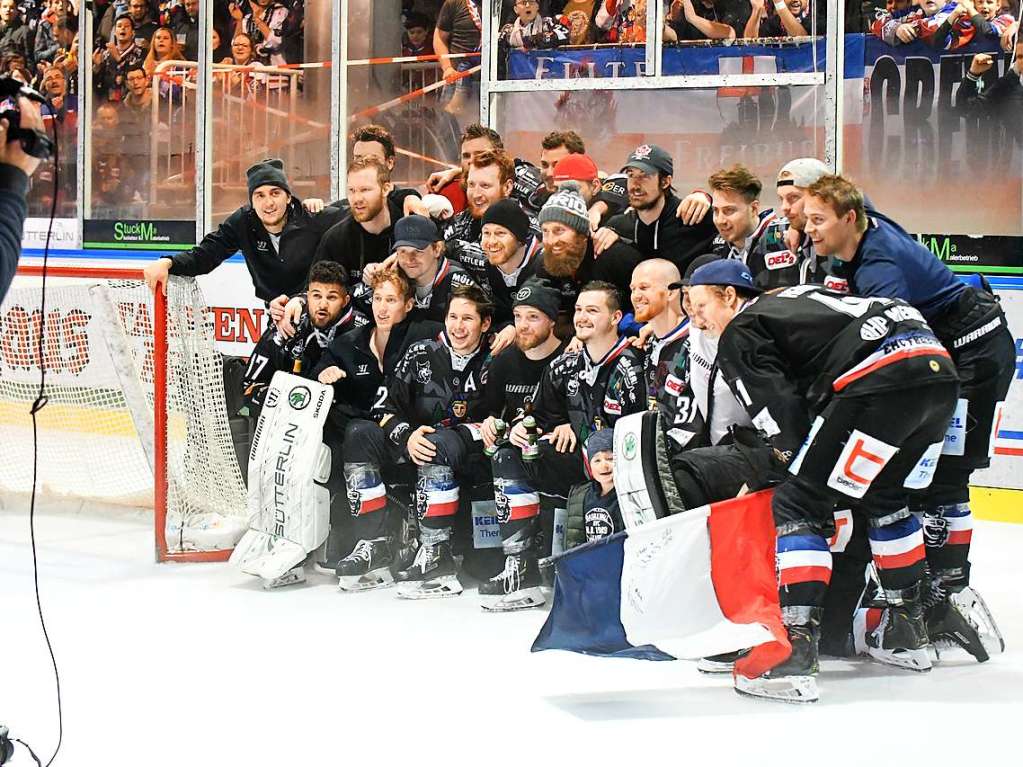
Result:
x=137 y=409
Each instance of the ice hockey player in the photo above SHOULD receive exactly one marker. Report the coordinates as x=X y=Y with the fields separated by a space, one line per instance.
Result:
x=581 y=392
x=511 y=387
x=420 y=253
x=358 y=364
x=854 y=396
x=275 y=234
x=431 y=414
x=806 y=265
x=657 y=302
x=490 y=177
x=877 y=258
x=328 y=314
x=592 y=510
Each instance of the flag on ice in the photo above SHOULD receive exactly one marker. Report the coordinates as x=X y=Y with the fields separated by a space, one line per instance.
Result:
x=691 y=585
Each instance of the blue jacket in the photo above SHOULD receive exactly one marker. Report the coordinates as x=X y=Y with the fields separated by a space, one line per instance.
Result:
x=890 y=263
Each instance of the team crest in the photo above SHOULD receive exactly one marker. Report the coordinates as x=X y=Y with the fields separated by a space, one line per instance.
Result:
x=421 y=497
x=523 y=294
x=573 y=386
x=424 y=374
x=642 y=152
x=935 y=530
x=501 y=503
x=598 y=524
x=459 y=408
x=354 y=499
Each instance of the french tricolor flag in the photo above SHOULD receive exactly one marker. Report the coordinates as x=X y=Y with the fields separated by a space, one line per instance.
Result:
x=691 y=585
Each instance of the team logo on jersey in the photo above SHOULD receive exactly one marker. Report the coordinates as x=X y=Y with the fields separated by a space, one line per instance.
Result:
x=299 y=397
x=573 y=386
x=874 y=329
x=424 y=373
x=523 y=294
x=363 y=370
x=598 y=524
x=262 y=245
x=779 y=259
x=459 y=408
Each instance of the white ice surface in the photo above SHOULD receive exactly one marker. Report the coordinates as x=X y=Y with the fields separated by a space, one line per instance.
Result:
x=196 y=665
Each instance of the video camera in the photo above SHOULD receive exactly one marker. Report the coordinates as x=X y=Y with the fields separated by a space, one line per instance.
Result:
x=34 y=142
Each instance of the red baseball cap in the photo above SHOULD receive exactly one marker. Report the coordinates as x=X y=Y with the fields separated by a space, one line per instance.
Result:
x=575 y=167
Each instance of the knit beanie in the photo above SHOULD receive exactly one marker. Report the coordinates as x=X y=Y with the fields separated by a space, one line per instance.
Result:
x=509 y=214
x=599 y=442
x=566 y=206
x=541 y=295
x=267 y=173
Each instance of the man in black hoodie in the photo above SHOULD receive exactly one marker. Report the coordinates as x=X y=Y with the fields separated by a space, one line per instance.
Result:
x=651 y=224
x=276 y=236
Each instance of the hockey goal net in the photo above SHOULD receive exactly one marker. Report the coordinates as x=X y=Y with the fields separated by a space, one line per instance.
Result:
x=135 y=412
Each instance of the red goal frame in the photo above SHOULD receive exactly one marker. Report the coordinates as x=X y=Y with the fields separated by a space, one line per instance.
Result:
x=160 y=485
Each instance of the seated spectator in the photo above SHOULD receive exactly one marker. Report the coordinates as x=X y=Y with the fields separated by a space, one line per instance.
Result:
x=790 y=18
x=139 y=96
x=264 y=24
x=15 y=66
x=164 y=47
x=707 y=19
x=943 y=27
x=417 y=40
x=531 y=30
x=15 y=34
x=111 y=64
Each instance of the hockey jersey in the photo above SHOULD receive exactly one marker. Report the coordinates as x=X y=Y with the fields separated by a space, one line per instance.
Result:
x=666 y=389
x=770 y=261
x=590 y=395
x=434 y=386
x=938 y=30
x=431 y=302
x=499 y=286
x=512 y=382
x=275 y=352
x=786 y=355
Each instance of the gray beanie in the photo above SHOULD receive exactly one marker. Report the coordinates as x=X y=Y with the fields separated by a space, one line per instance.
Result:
x=566 y=206
x=267 y=173
x=600 y=442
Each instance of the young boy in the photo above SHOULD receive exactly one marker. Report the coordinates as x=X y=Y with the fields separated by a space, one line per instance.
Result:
x=593 y=506
x=531 y=30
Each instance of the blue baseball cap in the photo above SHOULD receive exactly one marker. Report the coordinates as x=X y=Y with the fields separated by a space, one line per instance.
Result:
x=725 y=271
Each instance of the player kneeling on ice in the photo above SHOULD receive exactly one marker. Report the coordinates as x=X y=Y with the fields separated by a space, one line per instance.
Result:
x=431 y=414
x=854 y=395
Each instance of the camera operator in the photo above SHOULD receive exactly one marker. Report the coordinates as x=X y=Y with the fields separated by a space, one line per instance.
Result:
x=15 y=168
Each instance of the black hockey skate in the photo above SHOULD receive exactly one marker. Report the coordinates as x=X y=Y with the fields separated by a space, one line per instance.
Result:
x=432 y=575
x=972 y=607
x=900 y=638
x=517 y=587
x=795 y=680
x=719 y=664
x=367 y=567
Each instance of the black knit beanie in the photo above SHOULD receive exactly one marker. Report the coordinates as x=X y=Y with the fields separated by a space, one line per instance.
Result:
x=509 y=214
x=267 y=173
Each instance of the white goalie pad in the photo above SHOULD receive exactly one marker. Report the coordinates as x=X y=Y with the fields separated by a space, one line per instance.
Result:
x=630 y=475
x=288 y=504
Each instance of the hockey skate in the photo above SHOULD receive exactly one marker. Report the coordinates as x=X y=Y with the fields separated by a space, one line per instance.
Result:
x=719 y=664
x=293 y=576
x=972 y=607
x=367 y=567
x=949 y=629
x=517 y=587
x=433 y=574
x=795 y=680
x=900 y=637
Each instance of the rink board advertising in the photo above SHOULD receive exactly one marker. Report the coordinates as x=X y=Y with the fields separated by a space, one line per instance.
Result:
x=138 y=234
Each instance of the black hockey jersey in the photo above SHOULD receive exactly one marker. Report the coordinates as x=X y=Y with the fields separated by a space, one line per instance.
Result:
x=513 y=380
x=665 y=367
x=274 y=352
x=770 y=261
x=432 y=306
x=500 y=287
x=590 y=395
x=361 y=393
x=786 y=355
x=433 y=386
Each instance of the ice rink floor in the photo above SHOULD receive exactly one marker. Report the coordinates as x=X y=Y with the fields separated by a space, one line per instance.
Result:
x=196 y=665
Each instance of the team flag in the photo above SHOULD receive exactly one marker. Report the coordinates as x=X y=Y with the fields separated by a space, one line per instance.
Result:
x=691 y=585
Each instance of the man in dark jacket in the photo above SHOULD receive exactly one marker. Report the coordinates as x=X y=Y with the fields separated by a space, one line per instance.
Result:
x=1002 y=101
x=276 y=236
x=15 y=169
x=651 y=225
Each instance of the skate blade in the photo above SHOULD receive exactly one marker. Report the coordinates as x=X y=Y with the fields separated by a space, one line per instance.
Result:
x=907 y=660
x=288 y=579
x=973 y=607
x=435 y=588
x=523 y=599
x=784 y=689
x=705 y=666
x=374 y=579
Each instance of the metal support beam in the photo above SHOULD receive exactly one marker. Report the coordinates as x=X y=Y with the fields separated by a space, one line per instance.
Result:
x=834 y=66
x=340 y=136
x=488 y=62
x=204 y=125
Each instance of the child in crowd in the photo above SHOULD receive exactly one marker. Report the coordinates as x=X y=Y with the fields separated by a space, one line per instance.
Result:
x=418 y=38
x=593 y=506
x=531 y=30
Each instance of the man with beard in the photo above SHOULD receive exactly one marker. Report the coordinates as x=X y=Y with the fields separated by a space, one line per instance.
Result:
x=420 y=253
x=568 y=253
x=653 y=224
x=475 y=140
x=328 y=315
x=802 y=265
x=579 y=393
x=657 y=301
x=490 y=178
x=275 y=234
x=358 y=365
